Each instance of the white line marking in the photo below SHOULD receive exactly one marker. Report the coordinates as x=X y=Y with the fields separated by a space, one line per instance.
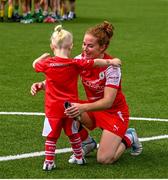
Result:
x=28 y=155
x=23 y=113
x=148 y=119
x=42 y=114
x=65 y=150
x=154 y=138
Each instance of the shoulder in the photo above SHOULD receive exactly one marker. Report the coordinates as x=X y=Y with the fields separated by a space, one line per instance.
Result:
x=48 y=59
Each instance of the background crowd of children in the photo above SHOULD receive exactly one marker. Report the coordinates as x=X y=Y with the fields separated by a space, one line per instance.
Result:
x=30 y=11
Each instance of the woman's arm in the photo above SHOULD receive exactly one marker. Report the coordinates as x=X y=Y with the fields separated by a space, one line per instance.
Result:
x=106 y=102
x=45 y=55
x=102 y=104
x=107 y=62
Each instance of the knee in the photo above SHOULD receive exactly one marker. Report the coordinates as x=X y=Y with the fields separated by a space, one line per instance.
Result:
x=104 y=159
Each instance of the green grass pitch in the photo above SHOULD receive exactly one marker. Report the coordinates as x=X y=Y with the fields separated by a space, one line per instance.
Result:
x=140 y=40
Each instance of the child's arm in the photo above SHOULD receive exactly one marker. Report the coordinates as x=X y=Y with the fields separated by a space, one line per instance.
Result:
x=107 y=62
x=45 y=55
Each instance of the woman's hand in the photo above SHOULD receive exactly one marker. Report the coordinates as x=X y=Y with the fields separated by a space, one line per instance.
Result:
x=74 y=111
x=116 y=62
x=77 y=111
x=38 y=86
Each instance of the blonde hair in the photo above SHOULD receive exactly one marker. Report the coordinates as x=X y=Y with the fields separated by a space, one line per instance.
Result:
x=61 y=37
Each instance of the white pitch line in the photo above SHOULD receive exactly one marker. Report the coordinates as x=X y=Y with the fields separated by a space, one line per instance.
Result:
x=42 y=114
x=65 y=150
x=29 y=155
x=148 y=119
x=23 y=113
x=154 y=138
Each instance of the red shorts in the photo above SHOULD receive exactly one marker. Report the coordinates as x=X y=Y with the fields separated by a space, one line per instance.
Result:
x=116 y=123
x=53 y=126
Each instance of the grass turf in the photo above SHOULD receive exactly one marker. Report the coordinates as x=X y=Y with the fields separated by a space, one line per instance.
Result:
x=140 y=40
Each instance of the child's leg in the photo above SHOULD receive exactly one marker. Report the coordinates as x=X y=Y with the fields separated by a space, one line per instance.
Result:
x=16 y=17
x=76 y=144
x=36 y=6
x=45 y=10
x=71 y=130
x=50 y=147
x=51 y=130
x=2 y=10
x=10 y=9
x=24 y=8
x=72 y=5
x=64 y=9
x=72 y=14
x=16 y=7
x=38 y=17
x=58 y=7
x=53 y=7
x=29 y=6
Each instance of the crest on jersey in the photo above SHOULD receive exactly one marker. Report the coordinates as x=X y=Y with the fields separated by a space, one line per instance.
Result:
x=101 y=75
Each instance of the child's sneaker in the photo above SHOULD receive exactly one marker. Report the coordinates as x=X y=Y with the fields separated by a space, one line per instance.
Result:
x=88 y=146
x=74 y=160
x=136 y=145
x=65 y=17
x=71 y=15
x=48 y=166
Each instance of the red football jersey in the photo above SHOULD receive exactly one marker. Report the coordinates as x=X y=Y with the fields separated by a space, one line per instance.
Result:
x=61 y=81
x=96 y=79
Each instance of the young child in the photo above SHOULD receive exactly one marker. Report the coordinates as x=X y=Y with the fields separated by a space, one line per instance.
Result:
x=61 y=86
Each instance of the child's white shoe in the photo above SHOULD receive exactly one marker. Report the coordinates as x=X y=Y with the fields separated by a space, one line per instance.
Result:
x=48 y=166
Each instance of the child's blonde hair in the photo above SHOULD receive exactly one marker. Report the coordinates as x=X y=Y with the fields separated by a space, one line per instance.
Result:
x=61 y=38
